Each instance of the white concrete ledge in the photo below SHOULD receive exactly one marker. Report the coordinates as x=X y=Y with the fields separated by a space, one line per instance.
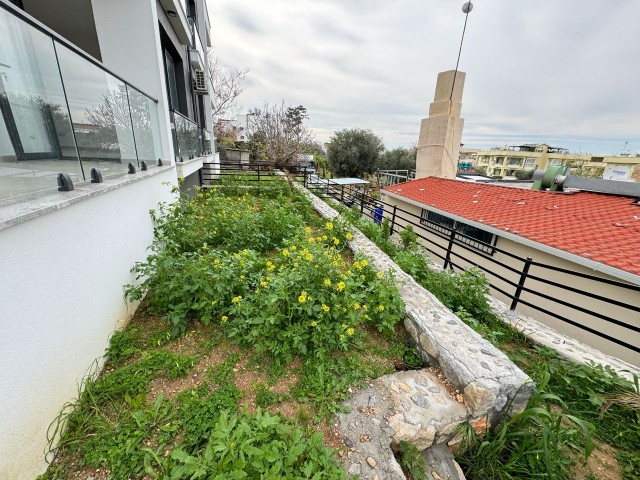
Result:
x=28 y=207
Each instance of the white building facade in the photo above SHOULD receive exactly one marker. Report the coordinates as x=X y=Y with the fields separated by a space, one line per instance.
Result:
x=104 y=105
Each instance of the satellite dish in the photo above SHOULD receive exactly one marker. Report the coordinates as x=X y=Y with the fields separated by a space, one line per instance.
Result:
x=467 y=7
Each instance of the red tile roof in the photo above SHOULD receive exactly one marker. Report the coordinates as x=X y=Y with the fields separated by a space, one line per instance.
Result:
x=602 y=228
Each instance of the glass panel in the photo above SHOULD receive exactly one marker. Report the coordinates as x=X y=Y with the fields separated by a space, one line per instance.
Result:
x=146 y=126
x=188 y=138
x=100 y=114
x=36 y=140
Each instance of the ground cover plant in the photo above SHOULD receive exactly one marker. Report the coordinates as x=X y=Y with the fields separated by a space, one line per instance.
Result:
x=256 y=322
x=552 y=437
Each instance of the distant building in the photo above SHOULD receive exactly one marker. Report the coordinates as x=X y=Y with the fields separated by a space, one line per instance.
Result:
x=505 y=162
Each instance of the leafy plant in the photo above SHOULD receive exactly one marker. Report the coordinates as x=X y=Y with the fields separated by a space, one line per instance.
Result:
x=412 y=461
x=530 y=444
x=260 y=446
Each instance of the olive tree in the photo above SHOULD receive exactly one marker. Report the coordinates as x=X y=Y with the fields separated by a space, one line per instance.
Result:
x=353 y=152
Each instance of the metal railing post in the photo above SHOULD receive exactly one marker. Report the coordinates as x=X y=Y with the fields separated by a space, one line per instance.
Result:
x=304 y=176
x=361 y=203
x=342 y=194
x=258 y=173
x=447 y=258
x=523 y=278
x=393 y=220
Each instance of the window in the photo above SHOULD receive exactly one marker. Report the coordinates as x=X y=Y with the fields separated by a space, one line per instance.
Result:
x=529 y=162
x=555 y=162
x=597 y=159
x=474 y=237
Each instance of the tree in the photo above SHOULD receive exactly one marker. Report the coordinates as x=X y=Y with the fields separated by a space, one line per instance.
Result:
x=278 y=133
x=398 y=159
x=354 y=152
x=227 y=85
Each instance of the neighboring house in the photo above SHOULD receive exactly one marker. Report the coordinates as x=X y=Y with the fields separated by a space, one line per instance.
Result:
x=505 y=162
x=118 y=86
x=581 y=232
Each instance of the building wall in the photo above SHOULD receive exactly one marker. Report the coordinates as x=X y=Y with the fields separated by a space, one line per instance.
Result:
x=497 y=161
x=585 y=285
x=129 y=39
x=62 y=297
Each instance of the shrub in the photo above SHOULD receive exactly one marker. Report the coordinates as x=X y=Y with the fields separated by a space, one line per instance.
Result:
x=246 y=446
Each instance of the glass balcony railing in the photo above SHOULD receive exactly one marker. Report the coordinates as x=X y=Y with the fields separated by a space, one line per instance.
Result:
x=61 y=112
x=188 y=138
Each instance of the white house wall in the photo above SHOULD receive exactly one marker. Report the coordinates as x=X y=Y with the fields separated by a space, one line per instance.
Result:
x=61 y=298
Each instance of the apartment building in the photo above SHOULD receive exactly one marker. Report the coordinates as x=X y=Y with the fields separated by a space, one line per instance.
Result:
x=505 y=162
x=104 y=105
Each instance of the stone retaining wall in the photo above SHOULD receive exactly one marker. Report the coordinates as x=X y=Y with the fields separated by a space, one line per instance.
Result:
x=416 y=406
x=490 y=382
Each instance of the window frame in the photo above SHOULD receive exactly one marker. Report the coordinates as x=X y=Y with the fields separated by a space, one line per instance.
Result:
x=464 y=232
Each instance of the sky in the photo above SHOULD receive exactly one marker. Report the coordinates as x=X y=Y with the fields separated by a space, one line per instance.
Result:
x=565 y=73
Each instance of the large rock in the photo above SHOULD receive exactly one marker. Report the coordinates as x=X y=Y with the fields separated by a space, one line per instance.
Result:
x=411 y=406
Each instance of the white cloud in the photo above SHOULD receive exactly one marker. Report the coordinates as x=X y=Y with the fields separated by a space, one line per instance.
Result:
x=535 y=69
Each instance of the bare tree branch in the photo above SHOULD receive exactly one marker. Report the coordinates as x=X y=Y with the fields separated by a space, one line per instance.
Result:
x=227 y=86
x=280 y=131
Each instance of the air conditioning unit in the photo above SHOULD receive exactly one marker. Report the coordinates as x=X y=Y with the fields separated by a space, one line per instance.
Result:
x=200 y=83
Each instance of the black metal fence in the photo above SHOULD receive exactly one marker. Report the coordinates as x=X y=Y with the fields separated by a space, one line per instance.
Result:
x=457 y=250
x=521 y=280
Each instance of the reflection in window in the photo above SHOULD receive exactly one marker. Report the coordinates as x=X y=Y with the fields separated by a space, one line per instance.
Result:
x=36 y=140
x=100 y=113
x=144 y=115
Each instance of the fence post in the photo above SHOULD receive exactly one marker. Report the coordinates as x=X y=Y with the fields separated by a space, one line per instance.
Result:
x=447 y=258
x=523 y=277
x=361 y=203
x=342 y=194
x=304 y=176
x=258 y=174
x=393 y=220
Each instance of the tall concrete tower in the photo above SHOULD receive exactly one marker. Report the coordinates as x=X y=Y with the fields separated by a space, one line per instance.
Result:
x=440 y=134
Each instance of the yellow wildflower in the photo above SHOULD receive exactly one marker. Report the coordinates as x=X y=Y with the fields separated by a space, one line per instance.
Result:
x=236 y=299
x=303 y=297
x=329 y=225
x=285 y=252
x=216 y=262
x=295 y=264
x=381 y=308
x=340 y=286
x=314 y=324
x=241 y=277
x=348 y=236
x=318 y=239
x=325 y=308
x=336 y=241
x=324 y=238
x=311 y=240
x=307 y=230
x=356 y=306
x=351 y=331
x=379 y=274
x=327 y=283
x=309 y=257
x=264 y=284
x=224 y=319
x=294 y=248
x=364 y=263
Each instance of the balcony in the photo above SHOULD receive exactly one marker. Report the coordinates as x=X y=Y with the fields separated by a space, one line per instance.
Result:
x=62 y=111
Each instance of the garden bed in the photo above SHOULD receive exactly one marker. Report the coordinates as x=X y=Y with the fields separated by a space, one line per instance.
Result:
x=256 y=323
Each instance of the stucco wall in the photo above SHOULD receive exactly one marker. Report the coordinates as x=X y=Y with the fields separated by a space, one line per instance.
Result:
x=62 y=296
x=585 y=285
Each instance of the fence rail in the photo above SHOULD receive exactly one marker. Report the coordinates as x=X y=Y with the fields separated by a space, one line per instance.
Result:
x=455 y=249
